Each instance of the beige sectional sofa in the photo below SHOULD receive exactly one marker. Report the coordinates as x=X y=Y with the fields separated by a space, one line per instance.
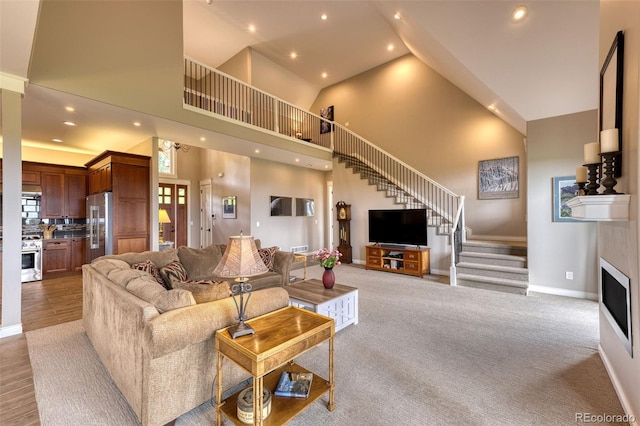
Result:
x=158 y=344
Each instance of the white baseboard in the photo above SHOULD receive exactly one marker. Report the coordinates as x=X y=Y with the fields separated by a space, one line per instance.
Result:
x=11 y=330
x=633 y=418
x=497 y=238
x=564 y=292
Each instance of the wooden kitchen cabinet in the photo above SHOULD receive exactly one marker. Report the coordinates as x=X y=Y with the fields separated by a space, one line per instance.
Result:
x=56 y=257
x=63 y=191
x=52 y=201
x=78 y=253
x=127 y=176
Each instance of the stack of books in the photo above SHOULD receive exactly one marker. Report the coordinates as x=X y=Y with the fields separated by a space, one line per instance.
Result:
x=294 y=383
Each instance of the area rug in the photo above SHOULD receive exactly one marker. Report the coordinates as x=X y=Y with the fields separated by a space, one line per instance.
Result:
x=422 y=353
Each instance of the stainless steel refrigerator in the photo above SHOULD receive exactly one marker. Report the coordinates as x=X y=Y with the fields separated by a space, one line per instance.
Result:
x=99 y=225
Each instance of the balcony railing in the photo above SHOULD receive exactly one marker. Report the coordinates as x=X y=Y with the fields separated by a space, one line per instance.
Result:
x=214 y=91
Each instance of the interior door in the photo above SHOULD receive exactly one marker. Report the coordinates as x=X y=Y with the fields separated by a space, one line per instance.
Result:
x=174 y=199
x=206 y=214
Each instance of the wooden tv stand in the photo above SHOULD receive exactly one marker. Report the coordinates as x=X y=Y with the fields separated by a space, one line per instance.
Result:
x=410 y=261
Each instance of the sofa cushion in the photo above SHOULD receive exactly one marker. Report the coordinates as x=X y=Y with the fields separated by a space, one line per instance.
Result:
x=204 y=291
x=173 y=272
x=147 y=288
x=160 y=258
x=107 y=265
x=149 y=267
x=268 y=255
x=123 y=276
x=200 y=263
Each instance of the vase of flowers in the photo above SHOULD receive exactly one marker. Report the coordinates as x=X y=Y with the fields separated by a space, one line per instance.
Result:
x=327 y=259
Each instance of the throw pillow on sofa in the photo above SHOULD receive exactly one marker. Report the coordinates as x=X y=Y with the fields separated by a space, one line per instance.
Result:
x=205 y=290
x=174 y=271
x=148 y=289
x=149 y=267
x=200 y=263
x=268 y=256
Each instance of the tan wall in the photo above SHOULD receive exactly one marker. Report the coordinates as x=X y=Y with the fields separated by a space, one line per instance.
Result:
x=618 y=241
x=555 y=148
x=234 y=182
x=412 y=112
x=270 y=178
x=239 y=65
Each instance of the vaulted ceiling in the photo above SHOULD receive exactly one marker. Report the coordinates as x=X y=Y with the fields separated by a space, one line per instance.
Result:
x=544 y=66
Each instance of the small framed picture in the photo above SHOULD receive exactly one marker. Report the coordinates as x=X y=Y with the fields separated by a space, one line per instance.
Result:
x=229 y=207
x=564 y=189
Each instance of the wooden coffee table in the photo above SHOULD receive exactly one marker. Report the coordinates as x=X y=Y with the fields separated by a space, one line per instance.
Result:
x=339 y=303
x=279 y=338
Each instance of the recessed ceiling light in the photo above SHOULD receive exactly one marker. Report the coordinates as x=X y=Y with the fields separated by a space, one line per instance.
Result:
x=56 y=140
x=326 y=166
x=69 y=123
x=257 y=151
x=202 y=139
x=70 y=108
x=390 y=47
x=293 y=55
x=323 y=17
x=297 y=160
x=137 y=123
x=252 y=28
x=519 y=14
x=324 y=75
x=397 y=16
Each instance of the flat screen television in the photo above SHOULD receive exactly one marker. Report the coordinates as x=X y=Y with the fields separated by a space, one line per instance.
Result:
x=397 y=226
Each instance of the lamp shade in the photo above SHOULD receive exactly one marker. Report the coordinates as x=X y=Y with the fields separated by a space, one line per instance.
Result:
x=163 y=216
x=241 y=259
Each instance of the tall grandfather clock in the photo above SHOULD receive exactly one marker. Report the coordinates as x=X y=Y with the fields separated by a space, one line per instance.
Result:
x=344 y=230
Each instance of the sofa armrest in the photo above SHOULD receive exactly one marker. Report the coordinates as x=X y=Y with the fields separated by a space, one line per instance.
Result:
x=180 y=328
x=282 y=264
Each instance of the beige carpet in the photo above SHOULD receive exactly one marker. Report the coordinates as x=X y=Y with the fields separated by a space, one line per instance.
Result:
x=423 y=353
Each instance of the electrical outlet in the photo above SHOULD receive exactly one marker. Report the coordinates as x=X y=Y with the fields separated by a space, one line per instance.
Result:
x=569 y=275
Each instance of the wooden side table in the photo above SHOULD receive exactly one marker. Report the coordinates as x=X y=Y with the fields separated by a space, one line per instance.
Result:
x=302 y=258
x=279 y=338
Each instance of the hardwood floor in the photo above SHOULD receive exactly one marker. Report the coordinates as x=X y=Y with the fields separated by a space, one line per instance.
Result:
x=44 y=303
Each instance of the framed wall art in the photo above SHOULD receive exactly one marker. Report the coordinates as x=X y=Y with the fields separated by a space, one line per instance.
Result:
x=327 y=114
x=498 y=178
x=564 y=189
x=305 y=207
x=280 y=206
x=229 y=207
x=611 y=89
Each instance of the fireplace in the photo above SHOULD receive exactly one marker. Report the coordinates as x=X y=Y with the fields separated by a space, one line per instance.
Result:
x=615 y=302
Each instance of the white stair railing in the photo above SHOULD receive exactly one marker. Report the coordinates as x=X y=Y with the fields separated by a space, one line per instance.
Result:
x=213 y=91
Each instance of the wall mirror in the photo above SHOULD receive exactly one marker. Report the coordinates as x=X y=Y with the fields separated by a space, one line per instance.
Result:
x=611 y=80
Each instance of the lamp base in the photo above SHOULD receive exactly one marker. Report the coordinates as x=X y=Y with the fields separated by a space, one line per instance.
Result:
x=240 y=329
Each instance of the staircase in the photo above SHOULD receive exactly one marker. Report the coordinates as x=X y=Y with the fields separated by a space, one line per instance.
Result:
x=493 y=266
x=436 y=216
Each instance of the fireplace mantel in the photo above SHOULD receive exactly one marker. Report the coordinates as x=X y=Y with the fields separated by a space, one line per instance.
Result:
x=600 y=207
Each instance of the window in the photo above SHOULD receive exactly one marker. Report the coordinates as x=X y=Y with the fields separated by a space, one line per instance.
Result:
x=167 y=158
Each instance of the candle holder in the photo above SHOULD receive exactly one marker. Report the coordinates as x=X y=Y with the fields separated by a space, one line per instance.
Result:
x=592 y=187
x=609 y=181
x=581 y=190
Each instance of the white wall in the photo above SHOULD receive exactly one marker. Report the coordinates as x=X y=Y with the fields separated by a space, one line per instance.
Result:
x=555 y=148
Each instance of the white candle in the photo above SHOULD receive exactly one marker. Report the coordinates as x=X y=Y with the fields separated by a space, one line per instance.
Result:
x=609 y=140
x=592 y=153
x=581 y=174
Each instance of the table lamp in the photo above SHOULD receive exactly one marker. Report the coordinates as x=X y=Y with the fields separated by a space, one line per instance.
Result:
x=240 y=261
x=163 y=217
